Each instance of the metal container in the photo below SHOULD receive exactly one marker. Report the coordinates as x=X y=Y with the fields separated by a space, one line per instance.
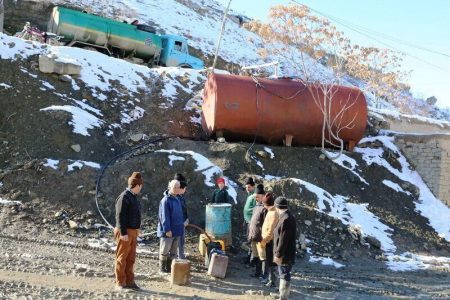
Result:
x=180 y=272
x=78 y=26
x=218 y=222
x=218 y=266
x=242 y=108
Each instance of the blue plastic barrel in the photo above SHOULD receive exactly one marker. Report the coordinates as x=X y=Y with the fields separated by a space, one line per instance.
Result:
x=218 y=221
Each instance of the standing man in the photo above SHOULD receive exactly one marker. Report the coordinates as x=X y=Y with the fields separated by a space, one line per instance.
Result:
x=170 y=226
x=254 y=231
x=284 y=245
x=2 y=15
x=220 y=195
x=265 y=247
x=128 y=222
x=250 y=204
x=183 y=186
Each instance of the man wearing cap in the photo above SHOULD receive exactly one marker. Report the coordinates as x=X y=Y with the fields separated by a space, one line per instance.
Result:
x=170 y=225
x=284 y=245
x=128 y=222
x=254 y=231
x=220 y=195
x=180 y=196
x=248 y=210
x=265 y=247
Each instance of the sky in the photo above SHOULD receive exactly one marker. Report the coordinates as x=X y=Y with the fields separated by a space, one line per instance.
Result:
x=420 y=23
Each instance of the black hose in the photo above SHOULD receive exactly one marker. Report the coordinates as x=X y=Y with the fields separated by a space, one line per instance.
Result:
x=102 y=172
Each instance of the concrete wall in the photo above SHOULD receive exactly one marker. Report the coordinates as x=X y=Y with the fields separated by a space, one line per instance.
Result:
x=430 y=156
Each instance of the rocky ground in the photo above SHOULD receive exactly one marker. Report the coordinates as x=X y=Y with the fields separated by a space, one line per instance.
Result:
x=35 y=268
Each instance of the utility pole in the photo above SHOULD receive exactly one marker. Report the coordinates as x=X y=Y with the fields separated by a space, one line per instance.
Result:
x=2 y=15
x=220 y=36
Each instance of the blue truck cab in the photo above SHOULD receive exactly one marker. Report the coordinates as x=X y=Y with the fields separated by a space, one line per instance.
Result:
x=175 y=53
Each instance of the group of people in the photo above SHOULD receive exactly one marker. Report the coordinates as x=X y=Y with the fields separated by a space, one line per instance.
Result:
x=270 y=228
x=172 y=220
x=271 y=233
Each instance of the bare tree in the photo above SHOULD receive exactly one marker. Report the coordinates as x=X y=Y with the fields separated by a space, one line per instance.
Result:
x=292 y=34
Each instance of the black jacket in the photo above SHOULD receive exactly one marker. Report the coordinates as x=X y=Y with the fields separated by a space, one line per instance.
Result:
x=128 y=212
x=284 y=239
x=220 y=196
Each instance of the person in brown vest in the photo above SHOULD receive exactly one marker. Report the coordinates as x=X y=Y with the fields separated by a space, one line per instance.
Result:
x=128 y=223
x=265 y=247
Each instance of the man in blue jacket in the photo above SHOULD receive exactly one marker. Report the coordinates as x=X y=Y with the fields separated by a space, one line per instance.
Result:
x=170 y=226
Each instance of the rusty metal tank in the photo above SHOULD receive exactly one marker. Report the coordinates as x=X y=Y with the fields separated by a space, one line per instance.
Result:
x=243 y=107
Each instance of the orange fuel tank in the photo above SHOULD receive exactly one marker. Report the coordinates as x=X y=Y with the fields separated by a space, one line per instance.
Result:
x=243 y=107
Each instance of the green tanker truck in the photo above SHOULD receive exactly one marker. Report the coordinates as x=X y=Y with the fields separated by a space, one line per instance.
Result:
x=80 y=29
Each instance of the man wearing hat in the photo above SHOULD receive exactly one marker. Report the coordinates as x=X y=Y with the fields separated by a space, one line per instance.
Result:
x=248 y=209
x=284 y=245
x=254 y=231
x=180 y=196
x=128 y=222
x=220 y=195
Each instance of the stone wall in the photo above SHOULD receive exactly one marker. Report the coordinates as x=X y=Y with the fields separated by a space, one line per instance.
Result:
x=430 y=156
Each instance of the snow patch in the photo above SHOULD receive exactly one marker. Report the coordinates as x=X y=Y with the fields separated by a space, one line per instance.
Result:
x=347 y=163
x=437 y=213
x=208 y=169
x=173 y=158
x=5 y=86
x=395 y=187
x=410 y=262
x=81 y=119
x=327 y=261
x=351 y=214
x=268 y=150
x=9 y=202
x=80 y=164
x=52 y=163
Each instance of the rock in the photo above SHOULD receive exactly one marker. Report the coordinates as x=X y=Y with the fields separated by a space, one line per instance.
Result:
x=89 y=213
x=76 y=148
x=53 y=64
x=73 y=224
x=15 y=195
x=59 y=214
x=432 y=100
x=308 y=222
x=322 y=157
x=137 y=137
x=221 y=140
x=355 y=232
x=65 y=78
x=373 y=241
x=263 y=154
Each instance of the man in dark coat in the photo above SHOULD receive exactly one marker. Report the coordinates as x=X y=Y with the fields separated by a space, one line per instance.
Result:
x=284 y=245
x=128 y=223
x=255 y=227
x=220 y=195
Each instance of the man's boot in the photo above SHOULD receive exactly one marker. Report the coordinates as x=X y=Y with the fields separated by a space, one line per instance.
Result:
x=163 y=266
x=169 y=265
x=258 y=268
x=285 y=287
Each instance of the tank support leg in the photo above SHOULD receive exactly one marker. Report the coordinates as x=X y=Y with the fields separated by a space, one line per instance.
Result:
x=288 y=140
